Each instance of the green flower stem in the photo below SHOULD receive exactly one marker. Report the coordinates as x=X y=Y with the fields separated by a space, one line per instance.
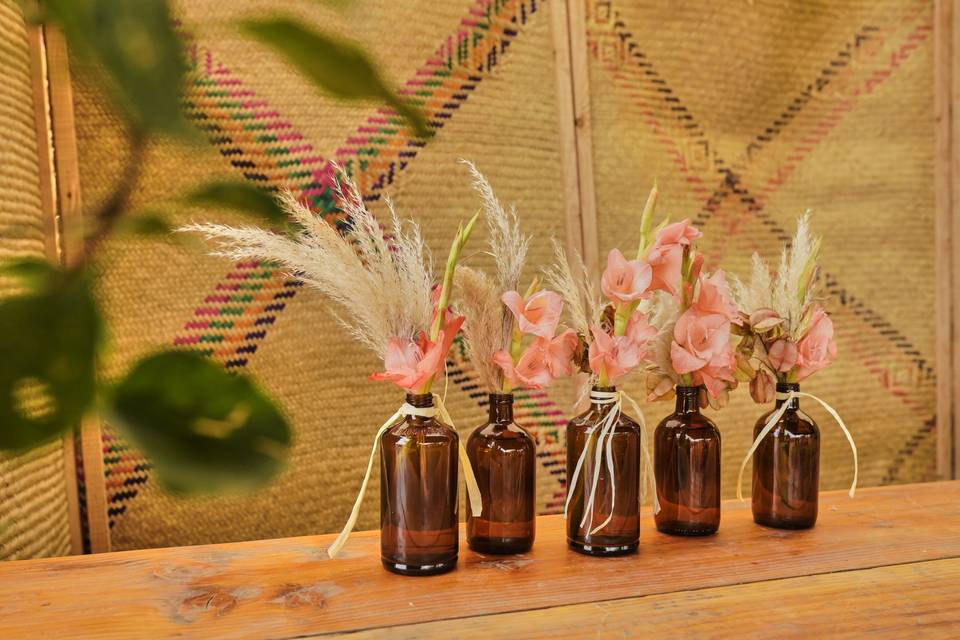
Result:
x=459 y=241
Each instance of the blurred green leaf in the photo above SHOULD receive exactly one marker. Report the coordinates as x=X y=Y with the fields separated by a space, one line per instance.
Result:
x=48 y=342
x=136 y=45
x=242 y=196
x=147 y=223
x=341 y=68
x=33 y=273
x=204 y=430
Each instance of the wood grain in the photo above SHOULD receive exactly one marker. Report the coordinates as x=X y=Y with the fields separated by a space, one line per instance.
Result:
x=36 y=37
x=70 y=212
x=913 y=600
x=560 y=29
x=947 y=231
x=288 y=588
x=580 y=79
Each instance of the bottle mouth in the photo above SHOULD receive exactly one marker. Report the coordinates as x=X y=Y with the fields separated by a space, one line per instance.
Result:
x=787 y=387
x=683 y=390
x=500 y=398
x=420 y=399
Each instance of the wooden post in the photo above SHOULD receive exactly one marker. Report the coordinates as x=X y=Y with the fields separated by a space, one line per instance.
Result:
x=580 y=79
x=65 y=184
x=947 y=228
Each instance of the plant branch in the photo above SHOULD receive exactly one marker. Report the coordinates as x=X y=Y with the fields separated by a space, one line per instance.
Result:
x=105 y=219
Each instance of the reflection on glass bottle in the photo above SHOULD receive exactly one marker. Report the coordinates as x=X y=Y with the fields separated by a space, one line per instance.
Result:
x=687 y=469
x=786 y=468
x=617 y=496
x=418 y=494
x=503 y=456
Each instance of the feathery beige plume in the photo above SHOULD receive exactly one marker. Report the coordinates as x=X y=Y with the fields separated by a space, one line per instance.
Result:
x=384 y=288
x=489 y=323
x=574 y=285
x=483 y=330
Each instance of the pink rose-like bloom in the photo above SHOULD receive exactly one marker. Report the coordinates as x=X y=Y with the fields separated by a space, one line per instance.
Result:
x=625 y=280
x=539 y=315
x=617 y=355
x=783 y=355
x=816 y=349
x=666 y=254
x=701 y=347
x=411 y=363
x=532 y=370
x=714 y=296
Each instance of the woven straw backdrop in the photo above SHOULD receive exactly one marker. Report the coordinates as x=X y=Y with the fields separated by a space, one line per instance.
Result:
x=33 y=499
x=485 y=70
x=749 y=115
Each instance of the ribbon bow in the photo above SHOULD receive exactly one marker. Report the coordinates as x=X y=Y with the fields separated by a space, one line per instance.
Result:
x=406 y=409
x=775 y=417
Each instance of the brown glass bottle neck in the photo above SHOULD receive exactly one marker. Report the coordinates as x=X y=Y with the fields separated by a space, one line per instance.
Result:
x=420 y=400
x=688 y=400
x=783 y=388
x=501 y=407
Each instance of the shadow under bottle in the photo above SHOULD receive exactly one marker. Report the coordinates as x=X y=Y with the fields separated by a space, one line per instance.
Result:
x=686 y=462
x=418 y=494
x=503 y=456
x=786 y=467
x=622 y=534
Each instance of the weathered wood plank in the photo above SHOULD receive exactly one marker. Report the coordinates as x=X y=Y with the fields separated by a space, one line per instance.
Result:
x=916 y=600
x=286 y=588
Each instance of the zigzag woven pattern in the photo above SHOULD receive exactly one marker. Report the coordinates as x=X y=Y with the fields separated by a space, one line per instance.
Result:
x=266 y=149
x=736 y=192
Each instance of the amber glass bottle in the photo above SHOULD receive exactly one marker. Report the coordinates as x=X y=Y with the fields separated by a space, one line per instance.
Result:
x=686 y=462
x=418 y=494
x=622 y=534
x=503 y=456
x=786 y=468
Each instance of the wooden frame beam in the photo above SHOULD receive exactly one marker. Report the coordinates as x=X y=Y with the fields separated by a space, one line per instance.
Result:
x=947 y=231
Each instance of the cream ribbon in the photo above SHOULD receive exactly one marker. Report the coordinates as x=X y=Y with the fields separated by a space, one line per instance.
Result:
x=406 y=409
x=775 y=417
x=605 y=430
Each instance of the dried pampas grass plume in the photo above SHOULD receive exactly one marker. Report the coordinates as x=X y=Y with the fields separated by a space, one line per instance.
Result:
x=489 y=323
x=384 y=289
x=574 y=285
x=507 y=245
x=483 y=330
x=796 y=284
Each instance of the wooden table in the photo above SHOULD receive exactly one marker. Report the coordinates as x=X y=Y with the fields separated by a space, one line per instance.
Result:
x=885 y=563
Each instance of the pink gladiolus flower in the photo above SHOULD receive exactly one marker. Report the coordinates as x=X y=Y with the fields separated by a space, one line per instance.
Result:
x=532 y=371
x=559 y=352
x=816 y=349
x=701 y=347
x=666 y=254
x=539 y=315
x=410 y=364
x=714 y=297
x=625 y=280
x=782 y=355
x=617 y=355
x=639 y=330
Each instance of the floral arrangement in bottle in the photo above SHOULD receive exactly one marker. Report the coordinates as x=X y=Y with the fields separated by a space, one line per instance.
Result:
x=514 y=342
x=787 y=337
x=691 y=357
x=604 y=445
x=392 y=305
